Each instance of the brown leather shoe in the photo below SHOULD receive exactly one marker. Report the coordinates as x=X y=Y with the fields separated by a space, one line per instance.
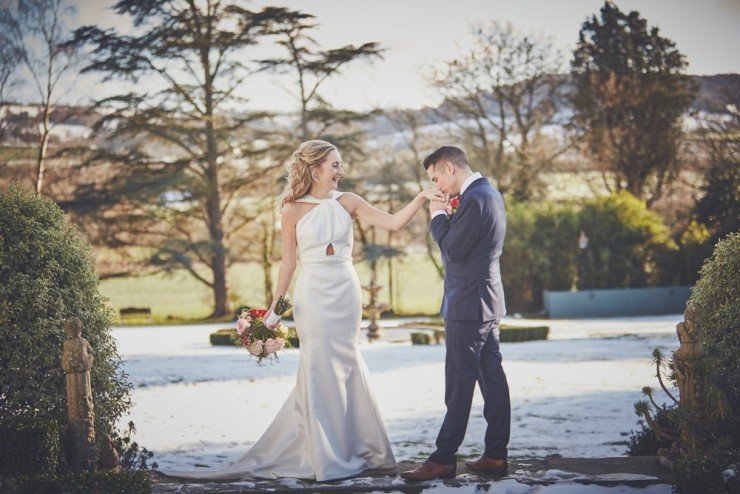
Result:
x=431 y=470
x=488 y=466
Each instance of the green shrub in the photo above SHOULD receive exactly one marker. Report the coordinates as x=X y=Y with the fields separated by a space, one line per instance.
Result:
x=539 y=253
x=515 y=334
x=107 y=482
x=132 y=455
x=47 y=274
x=717 y=300
x=627 y=244
x=704 y=474
x=36 y=446
x=223 y=337
x=645 y=442
x=420 y=339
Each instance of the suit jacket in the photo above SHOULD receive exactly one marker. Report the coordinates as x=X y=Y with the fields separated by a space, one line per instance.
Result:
x=471 y=241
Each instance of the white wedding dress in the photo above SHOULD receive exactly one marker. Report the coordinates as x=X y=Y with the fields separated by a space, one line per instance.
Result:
x=330 y=426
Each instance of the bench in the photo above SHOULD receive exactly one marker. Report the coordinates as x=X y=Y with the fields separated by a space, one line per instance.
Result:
x=136 y=313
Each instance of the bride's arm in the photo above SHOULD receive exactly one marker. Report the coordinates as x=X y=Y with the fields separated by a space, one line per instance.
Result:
x=288 y=263
x=361 y=209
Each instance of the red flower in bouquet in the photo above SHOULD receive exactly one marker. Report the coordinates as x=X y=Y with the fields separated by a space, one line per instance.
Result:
x=255 y=313
x=453 y=205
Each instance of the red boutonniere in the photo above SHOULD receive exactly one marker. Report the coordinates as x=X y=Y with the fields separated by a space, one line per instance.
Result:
x=453 y=205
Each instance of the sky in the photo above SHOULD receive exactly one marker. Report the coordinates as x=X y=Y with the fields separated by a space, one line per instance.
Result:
x=419 y=34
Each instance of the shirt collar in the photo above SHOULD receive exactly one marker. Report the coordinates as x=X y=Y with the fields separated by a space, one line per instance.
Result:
x=472 y=178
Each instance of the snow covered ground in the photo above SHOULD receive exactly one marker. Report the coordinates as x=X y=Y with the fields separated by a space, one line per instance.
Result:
x=572 y=395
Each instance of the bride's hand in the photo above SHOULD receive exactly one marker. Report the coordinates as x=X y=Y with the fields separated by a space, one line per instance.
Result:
x=267 y=316
x=433 y=195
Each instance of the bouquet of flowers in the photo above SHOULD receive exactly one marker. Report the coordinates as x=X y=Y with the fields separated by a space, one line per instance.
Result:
x=259 y=338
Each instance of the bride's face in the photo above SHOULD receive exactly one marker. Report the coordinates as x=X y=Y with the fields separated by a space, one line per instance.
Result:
x=330 y=170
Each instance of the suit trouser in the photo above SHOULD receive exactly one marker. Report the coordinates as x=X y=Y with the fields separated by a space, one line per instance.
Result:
x=473 y=355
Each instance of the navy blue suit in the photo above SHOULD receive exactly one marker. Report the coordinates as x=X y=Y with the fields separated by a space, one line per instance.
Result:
x=471 y=241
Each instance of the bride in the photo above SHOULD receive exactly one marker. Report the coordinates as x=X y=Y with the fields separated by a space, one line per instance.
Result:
x=330 y=426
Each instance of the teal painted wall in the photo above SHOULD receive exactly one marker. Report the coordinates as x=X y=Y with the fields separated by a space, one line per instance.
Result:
x=617 y=302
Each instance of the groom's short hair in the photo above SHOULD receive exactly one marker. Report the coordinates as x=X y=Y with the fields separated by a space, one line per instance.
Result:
x=453 y=154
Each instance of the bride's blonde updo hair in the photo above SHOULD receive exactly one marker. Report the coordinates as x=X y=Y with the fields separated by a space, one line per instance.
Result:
x=306 y=159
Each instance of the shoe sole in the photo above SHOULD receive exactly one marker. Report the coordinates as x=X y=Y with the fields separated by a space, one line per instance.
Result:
x=486 y=471
x=448 y=476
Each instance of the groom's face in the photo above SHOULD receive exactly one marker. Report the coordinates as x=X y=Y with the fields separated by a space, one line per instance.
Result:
x=443 y=176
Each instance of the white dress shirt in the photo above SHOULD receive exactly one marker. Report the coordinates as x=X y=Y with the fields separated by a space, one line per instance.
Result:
x=472 y=178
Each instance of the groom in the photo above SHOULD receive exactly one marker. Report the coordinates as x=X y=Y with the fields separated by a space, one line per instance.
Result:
x=471 y=238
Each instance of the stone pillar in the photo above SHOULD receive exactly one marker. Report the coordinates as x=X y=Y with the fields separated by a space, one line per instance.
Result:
x=690 y=377
x=76 y=362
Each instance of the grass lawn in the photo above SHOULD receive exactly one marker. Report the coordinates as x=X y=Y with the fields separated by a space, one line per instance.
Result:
x=418 y=289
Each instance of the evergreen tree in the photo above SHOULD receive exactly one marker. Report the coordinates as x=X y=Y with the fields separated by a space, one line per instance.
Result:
x=179 y=155
x=629 y=95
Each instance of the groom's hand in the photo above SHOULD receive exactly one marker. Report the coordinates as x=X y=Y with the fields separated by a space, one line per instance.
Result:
x=435 y=206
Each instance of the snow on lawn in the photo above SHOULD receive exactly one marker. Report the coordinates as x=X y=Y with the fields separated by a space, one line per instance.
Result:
x=572 y=395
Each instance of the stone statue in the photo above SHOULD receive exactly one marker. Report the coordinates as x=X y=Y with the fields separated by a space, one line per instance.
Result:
x=686 y=358
x=690 y=378
x=109 y=457
x=77 y=360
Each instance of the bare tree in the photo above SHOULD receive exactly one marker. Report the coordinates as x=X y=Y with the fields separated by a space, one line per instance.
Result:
x=312 y=67
x=10 y=58
x=38 y=30
x=410 y=124
x=499 y=99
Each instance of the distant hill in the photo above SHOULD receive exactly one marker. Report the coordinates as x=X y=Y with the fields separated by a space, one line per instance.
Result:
x=716 y=92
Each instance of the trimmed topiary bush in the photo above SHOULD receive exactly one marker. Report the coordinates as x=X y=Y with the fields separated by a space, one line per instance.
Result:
x=515 y=334
x=222 y=337
x=420 y=339
x=47 y=274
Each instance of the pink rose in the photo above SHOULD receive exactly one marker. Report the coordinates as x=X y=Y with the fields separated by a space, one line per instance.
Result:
x=280 y=342
x=271 y=346
x=256 y=348
x=241 y=325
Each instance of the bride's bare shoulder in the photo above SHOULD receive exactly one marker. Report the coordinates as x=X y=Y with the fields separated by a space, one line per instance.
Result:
x=350 y=201
x=291 y=211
